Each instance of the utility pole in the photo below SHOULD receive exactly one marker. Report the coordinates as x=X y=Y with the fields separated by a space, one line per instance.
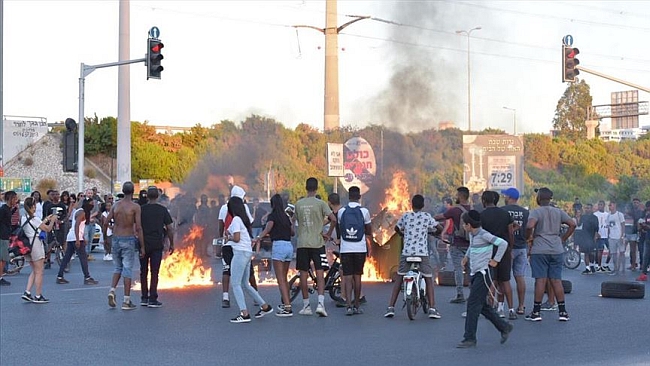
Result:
x=331 y=116
x=124 y=96
x=468 y=33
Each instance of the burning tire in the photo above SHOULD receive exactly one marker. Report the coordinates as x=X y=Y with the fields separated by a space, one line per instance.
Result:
x=622 y=289
x=447 y=278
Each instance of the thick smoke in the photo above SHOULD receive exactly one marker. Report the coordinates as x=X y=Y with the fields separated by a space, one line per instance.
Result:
x=426 y=84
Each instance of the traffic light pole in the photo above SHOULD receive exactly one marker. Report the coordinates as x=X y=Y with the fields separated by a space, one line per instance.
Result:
x=604 y=76
x=85 y=71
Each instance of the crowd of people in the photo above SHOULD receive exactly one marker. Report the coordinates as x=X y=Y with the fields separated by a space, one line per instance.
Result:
x=489 y=242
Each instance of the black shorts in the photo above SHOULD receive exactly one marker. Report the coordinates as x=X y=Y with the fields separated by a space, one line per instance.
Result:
x=316 y=255
x=226 y=259
x=504 y=268
x=352 y=263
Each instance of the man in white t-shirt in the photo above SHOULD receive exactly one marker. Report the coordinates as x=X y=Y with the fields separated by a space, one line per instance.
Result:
x=356 y=233
x=603 y=235
x=616 y=235
x=226 y=250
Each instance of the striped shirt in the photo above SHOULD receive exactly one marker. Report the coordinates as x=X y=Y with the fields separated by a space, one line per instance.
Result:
x=480 y=250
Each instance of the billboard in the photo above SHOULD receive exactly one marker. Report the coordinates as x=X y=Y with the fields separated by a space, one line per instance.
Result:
x=493 y=162
x=360 y=165
x=335 y=160
x=19 y=133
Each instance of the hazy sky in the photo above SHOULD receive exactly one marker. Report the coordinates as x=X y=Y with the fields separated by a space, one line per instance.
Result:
x=228 y=59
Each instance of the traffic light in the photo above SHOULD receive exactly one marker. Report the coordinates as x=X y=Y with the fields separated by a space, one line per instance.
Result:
x=569 y=63
x=154 y=56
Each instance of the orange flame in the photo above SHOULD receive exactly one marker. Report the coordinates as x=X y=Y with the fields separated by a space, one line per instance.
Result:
x=183 y=268
x=397 y=202
x=370 y=271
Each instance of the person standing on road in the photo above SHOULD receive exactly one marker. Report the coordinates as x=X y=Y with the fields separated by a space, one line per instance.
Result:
x=415 y=226
x=644 y=228
x=75 y=244
x=258 y=216
x=547 y=252
x=310 y=213
x=585 y=237
x=107 y=230
x=616 y=238
x=460 y=243
x=279 y=227
x=519 y=248
x=483 y=262
x=127 y=233
x=498 y=222
x=356 y=235
x=91 y=209
x=31 y=223
x=6 y=212
x=603 y=234
x=156 y=220
x=239 y=237
x=202 y=219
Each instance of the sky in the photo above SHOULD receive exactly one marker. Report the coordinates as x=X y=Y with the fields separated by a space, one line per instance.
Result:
x=225 y=60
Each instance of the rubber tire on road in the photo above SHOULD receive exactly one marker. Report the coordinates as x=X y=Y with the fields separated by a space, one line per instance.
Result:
x=447 y=278
x=566 y=285
x=622 y=289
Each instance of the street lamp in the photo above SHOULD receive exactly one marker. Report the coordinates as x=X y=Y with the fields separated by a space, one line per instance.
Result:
x=514 y=122
x=468 y=33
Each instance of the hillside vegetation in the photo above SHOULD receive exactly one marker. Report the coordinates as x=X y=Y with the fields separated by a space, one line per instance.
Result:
x=259 y=147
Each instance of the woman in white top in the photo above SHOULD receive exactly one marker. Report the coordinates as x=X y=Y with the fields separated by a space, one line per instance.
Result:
x=31 y=223
x=39 y=203
x=238 y=235
x=108 y=234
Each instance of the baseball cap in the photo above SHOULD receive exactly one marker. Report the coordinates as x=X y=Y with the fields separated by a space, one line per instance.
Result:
x=237 y=191
x=511 y=192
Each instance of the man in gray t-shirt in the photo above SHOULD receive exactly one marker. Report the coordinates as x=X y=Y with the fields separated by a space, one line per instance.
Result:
x=547 y=252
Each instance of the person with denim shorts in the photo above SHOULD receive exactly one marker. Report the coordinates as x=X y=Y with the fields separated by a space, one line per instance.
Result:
x=519 y=248
x=280 y=229
x=127 y=216
x=603 y=234
x=547 y=252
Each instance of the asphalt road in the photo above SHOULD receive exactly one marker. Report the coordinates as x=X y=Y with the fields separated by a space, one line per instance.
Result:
x=78 y=328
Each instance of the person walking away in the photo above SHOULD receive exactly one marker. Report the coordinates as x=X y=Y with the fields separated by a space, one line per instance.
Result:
x=519 y=248
x=239 y=236
x=127 y=233
x=75 y=244
x=483 y=261
x=279 y=227
x=460 y=241
x=36 y=258
x=310 y=213
x=547 y=252
x=356 y=235
x=226 y=250
x=414 y=226
x=156 y=221
x=6 y=212
x=585 y=237
x=616 y=238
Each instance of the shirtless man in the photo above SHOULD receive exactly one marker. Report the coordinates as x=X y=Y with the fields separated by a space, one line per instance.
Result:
x=126 y=231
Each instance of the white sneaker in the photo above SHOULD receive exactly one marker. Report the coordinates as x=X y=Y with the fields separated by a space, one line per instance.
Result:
x=305 y=311
x=320 y=310
x=109 y=257
x=105 y=257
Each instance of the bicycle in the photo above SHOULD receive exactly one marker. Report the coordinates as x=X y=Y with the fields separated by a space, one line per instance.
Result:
x=332 y=281
x=414 y=288
x=59 y=252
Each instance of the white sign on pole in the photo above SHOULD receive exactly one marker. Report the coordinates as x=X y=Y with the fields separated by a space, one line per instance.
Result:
x=20 y=133
x=335 y=160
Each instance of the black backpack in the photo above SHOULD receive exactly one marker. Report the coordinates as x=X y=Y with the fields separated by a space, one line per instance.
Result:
x=352 y=224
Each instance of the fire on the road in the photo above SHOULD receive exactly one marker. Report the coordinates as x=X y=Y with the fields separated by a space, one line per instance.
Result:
x=397 y=202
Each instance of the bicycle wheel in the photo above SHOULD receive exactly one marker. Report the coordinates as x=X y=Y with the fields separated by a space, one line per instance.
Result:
x=412 y=303
x=15 y=265
x=571 y=258
x=424 y=302
x=335 y=290
x=294 y=287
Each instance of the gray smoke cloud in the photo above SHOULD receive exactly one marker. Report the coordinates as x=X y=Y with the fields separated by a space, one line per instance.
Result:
x=427 y=84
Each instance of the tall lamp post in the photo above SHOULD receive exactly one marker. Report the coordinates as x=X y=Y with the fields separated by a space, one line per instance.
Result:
x=468 y=33
x=514 y=121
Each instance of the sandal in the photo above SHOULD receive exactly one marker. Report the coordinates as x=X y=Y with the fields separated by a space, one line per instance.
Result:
x=521 y=311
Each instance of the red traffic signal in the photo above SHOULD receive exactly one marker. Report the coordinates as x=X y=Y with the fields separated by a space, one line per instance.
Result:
x=154 y=56
x=569 y=63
